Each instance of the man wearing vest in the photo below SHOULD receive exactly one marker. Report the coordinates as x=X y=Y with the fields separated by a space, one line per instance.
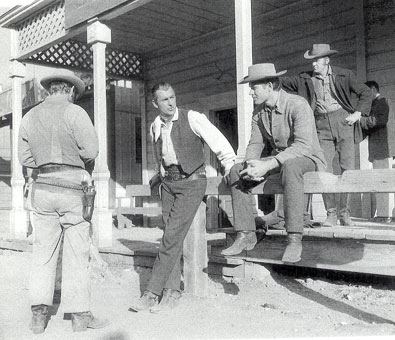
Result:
x=328 y=89
x=178 y=137
x=58 y=140
x=283 y=123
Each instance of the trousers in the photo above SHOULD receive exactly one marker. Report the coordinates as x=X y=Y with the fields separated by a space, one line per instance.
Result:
x=291 y=176
x=384 y=202
x=336 y=137
x=57 y=214
x=180 y=202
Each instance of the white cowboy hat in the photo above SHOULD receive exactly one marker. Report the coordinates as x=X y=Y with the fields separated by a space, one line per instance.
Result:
x=261 y=71
x=319 y=51
x=78 y=84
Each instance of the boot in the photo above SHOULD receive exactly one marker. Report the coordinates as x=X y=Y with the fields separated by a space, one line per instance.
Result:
x=170 y=300
x=84 y=320
x=331 y=218
x=293 y=251
x=39 y=319
x=245 y=240
x=345 y=218
x=146 y=302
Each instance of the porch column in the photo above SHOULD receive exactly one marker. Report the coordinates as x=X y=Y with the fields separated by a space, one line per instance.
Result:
x=18 y=215
x=99 y=35
x=243 y=61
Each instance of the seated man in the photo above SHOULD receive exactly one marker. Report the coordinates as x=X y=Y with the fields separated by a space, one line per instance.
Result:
x=284 y=122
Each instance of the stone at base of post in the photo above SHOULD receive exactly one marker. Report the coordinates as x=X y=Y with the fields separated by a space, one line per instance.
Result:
x=195 y=256
x=18 y=223
x=102 y=227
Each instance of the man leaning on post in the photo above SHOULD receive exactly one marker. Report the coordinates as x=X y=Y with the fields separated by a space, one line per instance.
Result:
x=58 y=139
x=285 y=123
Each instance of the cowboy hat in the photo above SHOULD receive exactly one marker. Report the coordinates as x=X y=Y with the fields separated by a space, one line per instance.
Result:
x=78 y=84
x=319 y=51
x=261 y=71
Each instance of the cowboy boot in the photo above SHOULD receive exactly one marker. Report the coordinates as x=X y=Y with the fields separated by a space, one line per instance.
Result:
x=245 y=240
x=331 y=218
x=345 y=218
x=146 y=302
x=39 y=319
x=293 y=251
x=170 y=300
x=84 y=320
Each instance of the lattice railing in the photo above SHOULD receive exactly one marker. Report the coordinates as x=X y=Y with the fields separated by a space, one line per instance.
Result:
x=42 y=28
x=77 y=55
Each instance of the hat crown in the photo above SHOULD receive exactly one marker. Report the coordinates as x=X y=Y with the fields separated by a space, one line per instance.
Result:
x=265 y=70
x=320 y=48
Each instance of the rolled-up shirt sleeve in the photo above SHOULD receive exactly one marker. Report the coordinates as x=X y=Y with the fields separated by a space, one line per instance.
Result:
x=216 y=141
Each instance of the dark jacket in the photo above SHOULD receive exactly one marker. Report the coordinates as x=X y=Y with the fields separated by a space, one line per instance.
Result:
x=345 y=84
x=380 y=127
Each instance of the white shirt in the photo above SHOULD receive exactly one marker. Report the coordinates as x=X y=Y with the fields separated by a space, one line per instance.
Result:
x=202 y=128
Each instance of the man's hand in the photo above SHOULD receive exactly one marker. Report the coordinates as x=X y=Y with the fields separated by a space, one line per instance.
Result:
x=258 y=168
x=353 y=117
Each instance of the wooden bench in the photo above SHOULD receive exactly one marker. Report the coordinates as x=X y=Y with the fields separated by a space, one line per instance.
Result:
x=352 y=181
x=135 y=195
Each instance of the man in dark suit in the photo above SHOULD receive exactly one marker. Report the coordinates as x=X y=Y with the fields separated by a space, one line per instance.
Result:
x=283 y=122
x=328 y=89
x=380 y=128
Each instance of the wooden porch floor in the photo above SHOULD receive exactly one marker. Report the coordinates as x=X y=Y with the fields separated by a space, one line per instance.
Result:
x=366 y=247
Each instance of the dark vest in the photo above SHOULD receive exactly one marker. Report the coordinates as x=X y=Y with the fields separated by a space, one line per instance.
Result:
x=188 y=146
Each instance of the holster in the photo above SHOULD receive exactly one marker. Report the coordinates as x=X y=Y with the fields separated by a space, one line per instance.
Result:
x=88 y=201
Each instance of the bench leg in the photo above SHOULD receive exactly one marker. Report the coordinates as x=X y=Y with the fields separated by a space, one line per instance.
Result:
x=195 y=255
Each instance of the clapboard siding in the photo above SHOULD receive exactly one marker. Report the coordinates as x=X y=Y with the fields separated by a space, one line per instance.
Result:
x=380 y=44
x=281 y=35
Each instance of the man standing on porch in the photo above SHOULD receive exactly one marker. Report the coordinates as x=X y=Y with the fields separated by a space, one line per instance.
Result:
x=58 y=139
x=328 y=89
x=285 y=123
x=178 y=137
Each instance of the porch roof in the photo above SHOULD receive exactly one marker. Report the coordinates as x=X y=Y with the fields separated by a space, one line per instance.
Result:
x=139 y=26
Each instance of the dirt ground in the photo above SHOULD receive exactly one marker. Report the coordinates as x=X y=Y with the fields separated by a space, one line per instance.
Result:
x=280 y=305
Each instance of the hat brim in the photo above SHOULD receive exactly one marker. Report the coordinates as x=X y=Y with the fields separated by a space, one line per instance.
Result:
x=307 y=54
x=75 y=81
x=253 y=79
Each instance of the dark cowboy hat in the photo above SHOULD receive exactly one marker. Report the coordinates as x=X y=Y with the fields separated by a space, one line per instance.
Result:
x=319 y=51
x=261 y=71
x=78 y=84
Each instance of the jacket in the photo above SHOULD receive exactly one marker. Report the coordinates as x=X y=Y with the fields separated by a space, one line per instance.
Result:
x=346 y=85
x=380 y=128
x=293 y=132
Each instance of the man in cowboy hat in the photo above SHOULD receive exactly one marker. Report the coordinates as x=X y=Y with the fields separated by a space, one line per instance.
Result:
x=58 y=140
x=328 y=89
x=284 y=123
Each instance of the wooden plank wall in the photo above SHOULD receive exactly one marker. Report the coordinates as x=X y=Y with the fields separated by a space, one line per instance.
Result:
x=380 y=44
x=282 y=32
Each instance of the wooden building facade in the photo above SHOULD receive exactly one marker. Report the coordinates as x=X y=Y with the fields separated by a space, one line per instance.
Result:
x=202 y=48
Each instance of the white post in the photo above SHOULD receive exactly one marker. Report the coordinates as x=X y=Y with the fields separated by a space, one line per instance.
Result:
x=243 y=61
x=99 y=35
x=18 y=215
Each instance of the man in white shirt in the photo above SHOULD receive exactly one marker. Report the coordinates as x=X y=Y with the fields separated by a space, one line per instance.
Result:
x=178 y=137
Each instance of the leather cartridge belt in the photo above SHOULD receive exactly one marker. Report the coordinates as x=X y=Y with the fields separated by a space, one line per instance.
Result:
x=57 y=183
x=175 y=173
x=45 y=169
